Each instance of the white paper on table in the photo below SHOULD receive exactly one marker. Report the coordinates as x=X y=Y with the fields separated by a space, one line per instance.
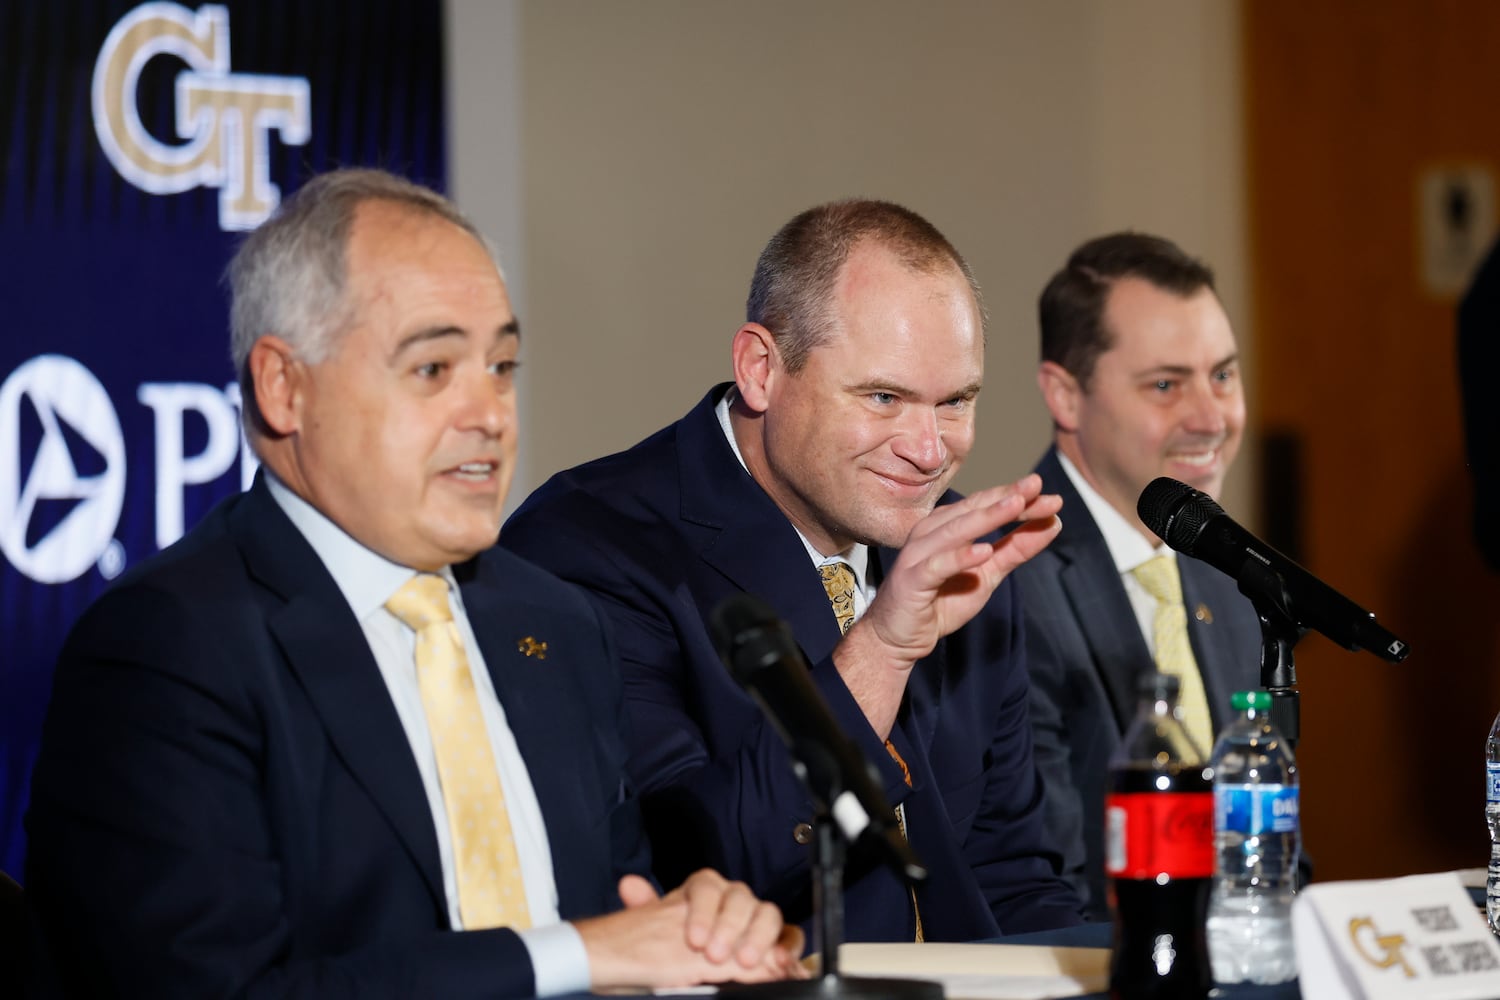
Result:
x=984 y=971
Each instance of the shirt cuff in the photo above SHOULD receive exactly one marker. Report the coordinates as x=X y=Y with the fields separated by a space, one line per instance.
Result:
x=559 y=962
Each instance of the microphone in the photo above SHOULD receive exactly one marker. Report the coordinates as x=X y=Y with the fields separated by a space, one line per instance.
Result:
x=1193 y=524
x=762 y=656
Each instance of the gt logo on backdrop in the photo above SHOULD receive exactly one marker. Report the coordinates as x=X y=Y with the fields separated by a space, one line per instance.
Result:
x=225 y=117
x=69 y=402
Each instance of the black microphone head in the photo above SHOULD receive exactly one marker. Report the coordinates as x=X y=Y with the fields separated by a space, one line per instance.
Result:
x=1159 y=501
x=1175 y=512
x=749 y=636
x=733 y=617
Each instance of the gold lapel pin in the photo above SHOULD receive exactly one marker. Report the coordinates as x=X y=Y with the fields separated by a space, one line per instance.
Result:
x=531 y=647
x=1204 y=615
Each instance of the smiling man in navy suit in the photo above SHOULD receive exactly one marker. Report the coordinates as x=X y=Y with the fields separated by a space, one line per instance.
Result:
x=1141 y=374
x=332 y=744
x=818 y=481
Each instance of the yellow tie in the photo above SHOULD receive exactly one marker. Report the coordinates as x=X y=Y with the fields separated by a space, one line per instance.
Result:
x=1174 y=654
x=487 y=870
x=838 y=584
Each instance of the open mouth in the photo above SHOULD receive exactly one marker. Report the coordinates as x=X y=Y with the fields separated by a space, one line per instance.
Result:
x=1200 y=459
x=474 y=472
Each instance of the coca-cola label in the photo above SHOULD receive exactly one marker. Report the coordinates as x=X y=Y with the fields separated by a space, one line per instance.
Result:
x=1492 y=781
x=1256 y=809
x=1151 y=834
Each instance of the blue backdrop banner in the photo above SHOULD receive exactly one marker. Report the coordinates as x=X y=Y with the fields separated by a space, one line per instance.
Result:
x=138 y=141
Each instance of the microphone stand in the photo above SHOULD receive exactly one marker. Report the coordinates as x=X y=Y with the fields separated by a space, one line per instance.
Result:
x=829 y=853
x=828 y=894
x=1279 y=632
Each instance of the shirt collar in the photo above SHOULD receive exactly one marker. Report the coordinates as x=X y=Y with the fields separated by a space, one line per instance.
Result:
x=1127 y=546
x=857 y=556
x=366 y=578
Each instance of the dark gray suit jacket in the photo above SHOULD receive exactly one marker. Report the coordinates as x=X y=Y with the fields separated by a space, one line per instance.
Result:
x=1085 y=651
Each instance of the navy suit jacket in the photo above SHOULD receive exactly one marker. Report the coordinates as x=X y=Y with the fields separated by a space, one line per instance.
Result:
x=664 y=532
x=226 y=803
x=1086 y=652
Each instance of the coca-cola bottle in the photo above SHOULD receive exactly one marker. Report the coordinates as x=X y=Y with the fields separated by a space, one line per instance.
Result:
x=1159 y=829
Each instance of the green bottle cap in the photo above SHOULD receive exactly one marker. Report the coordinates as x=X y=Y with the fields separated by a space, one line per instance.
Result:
x=1258 y=700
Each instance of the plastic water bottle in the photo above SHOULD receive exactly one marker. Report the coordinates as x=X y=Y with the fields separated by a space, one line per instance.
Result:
x=1159 y=854
x=1256 y=837
x=1492 y=817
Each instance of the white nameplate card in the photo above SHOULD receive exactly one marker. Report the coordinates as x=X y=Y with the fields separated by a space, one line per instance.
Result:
x=1415 y=937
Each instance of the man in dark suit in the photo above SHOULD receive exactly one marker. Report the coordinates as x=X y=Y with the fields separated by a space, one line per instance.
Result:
x=322 y=746
x=1141 y=374
x=817 y=481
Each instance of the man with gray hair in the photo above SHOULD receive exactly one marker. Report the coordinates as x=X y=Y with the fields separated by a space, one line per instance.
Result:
x=332 y=743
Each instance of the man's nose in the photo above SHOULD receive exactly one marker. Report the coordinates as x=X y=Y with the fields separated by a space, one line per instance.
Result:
x=921 y=440
x=1205 y=410
x=487 y=407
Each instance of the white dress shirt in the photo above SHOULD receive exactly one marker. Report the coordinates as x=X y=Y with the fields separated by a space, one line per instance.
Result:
x=367 y=580
x=1127 y=547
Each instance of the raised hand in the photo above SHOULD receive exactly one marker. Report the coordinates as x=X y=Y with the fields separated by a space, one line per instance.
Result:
x=942 y=578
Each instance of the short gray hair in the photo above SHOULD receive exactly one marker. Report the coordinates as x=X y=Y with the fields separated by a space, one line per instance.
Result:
x=288 y=276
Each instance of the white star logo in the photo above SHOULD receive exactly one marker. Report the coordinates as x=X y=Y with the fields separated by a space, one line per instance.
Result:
x=61 y=392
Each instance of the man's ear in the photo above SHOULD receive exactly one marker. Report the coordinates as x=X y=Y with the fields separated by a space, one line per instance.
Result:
x=278 y=379
x=757 y=364
x=1062 y=394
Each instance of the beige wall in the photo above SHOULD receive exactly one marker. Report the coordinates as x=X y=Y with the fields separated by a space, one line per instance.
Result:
x=632 y=158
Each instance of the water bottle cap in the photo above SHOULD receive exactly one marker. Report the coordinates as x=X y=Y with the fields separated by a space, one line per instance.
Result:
x=1258 y=700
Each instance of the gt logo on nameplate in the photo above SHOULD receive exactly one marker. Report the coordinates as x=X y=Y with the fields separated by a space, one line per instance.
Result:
x=1415 y=937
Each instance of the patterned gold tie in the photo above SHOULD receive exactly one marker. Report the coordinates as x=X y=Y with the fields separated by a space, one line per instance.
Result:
x=487 y=870
x=1174 y=654
x=838 y=584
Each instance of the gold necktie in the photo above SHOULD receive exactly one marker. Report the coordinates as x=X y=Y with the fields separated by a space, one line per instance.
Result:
x=487 y=870
x=838 y=584
x=1174 y=654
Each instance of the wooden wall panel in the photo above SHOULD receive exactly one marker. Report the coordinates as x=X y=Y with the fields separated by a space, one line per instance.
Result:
x=1347 y=102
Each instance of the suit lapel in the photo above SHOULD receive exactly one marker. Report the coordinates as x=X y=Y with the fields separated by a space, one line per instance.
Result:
x=1092 y=585
x=746 y=538
x=1213 y=632
x=327 y=651
x=743 y=535
x=1104 y=612
x=542 y=709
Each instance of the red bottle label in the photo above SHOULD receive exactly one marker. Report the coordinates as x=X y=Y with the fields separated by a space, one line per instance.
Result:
x=1147 y=834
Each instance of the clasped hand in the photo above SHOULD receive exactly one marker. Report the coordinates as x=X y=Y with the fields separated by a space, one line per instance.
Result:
x=708 y=930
